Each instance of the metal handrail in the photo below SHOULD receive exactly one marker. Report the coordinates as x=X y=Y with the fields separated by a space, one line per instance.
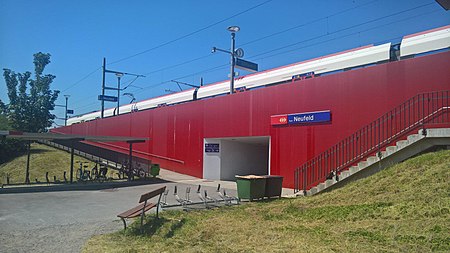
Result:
x=415 y=113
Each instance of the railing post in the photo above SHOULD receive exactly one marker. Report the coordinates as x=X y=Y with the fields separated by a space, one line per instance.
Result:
x=304 y=181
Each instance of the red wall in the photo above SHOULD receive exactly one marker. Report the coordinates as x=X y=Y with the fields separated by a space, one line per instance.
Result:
x=355 y=98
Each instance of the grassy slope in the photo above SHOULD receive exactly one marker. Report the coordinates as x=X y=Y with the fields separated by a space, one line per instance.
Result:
x=402 y=209
x=42 y=159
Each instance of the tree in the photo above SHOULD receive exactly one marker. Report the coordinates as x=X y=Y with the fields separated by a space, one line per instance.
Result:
x=30 y=111
x=30 y=103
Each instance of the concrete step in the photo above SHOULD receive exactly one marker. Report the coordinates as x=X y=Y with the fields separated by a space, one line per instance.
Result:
x=372 y=159
x=391 y=149
x=353 y=169
x=344 y=174
x=312 y=191
x=413 y=138
x=320 y=187
x=401 y=144
x=330 y=182
x=363 y=164
x=441 y=132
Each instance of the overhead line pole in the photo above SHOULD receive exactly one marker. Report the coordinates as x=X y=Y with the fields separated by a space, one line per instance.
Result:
x=233 y=44
x=119 y=75
x=103 y=85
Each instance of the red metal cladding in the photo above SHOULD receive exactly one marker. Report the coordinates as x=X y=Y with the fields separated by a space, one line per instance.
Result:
x=355 y=98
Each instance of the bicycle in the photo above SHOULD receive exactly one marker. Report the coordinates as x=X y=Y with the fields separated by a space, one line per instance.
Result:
x=99 y=174
x=83 y=174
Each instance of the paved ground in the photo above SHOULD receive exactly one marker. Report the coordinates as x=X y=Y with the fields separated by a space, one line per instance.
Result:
x=62 y=221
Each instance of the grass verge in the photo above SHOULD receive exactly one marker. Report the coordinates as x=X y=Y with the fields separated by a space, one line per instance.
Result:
x=43 y=159
x=404 y=208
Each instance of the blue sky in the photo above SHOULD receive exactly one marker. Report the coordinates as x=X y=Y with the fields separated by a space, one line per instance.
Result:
x=167 y=40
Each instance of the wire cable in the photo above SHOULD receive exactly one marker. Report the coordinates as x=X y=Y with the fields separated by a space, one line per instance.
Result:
x=308 y=23
x=303 y=41
x=223 y=66
x=190 y=34
x=265 y=37
x=82 y=79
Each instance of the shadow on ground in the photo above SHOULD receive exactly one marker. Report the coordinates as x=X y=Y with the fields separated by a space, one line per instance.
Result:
x=79 y=186
x=152 y=225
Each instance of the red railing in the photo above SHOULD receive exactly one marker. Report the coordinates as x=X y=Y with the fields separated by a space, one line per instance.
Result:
x=415 y=113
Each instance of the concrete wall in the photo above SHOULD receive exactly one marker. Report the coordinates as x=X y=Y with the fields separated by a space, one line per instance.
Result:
x=211 y=161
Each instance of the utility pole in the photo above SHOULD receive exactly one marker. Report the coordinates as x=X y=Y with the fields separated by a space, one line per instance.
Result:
x=119 y=75
x=102 y=97
x=65 y=115
x=66 y=110
x=103 y=86
x=233 y=34
x=234 y=53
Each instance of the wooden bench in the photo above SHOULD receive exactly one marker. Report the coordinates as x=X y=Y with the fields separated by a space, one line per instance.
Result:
x=143 y=207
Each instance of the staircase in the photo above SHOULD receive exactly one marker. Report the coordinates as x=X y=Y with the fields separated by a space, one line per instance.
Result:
x=416 y=125
x=404 y=149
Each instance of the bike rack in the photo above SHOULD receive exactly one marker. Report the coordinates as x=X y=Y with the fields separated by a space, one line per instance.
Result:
x=205 y=200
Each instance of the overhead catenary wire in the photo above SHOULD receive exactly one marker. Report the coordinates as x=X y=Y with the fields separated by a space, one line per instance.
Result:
x=266 y=37
x=303 y=41
x=348 y=35
x=82 y=79
x=223 y=66
x=347 y=28
x=170 y=42
x=307 y=23
x=191 y=33
x=292 y=44
x=246 y=43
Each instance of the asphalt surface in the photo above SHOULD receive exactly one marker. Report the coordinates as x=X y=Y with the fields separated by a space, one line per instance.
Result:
x=62 y=221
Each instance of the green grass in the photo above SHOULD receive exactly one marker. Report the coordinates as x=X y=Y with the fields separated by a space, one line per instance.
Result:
x=43 y=158
x=404 y=208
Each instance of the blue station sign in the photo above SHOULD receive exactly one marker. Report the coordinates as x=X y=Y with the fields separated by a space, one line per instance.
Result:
x=301 y=118
x=212 y=148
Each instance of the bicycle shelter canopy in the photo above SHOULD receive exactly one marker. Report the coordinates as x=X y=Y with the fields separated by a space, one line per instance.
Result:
x=68 y=137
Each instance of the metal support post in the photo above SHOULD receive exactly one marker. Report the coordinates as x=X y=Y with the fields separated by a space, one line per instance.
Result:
x=71 y=162
x=65 y=114
x=130 y=162
x=103 y=86
x=233 y=62
x=27 y=172
x=118 y=92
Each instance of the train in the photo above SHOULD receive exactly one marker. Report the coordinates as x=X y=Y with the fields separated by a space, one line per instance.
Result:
x=410 y=46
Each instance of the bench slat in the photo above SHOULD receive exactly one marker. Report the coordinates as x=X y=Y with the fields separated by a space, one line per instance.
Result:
x=136 y=211
x=152 y=194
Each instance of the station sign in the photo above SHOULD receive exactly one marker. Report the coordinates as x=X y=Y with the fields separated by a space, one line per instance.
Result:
x=69 y=111
x=107 y=98
x=212 y=148
x=301 y=118
x=246 y=65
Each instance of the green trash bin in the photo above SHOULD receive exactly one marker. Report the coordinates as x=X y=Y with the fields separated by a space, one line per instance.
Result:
x=154 y=170
x=274 y=185
x=251 y=187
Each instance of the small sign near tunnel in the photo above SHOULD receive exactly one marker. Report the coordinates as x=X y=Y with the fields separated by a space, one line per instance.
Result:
x=212 y=148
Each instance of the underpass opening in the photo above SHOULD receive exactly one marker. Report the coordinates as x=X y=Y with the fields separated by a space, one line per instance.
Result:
x=223 y=158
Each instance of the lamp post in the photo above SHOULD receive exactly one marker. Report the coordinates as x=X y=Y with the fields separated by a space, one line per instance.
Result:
x=65 y=114
x=233 y=30
x=234 y=54
x=119 y=75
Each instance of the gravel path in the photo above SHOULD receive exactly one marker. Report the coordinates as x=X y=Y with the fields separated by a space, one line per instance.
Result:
x=64 y=221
